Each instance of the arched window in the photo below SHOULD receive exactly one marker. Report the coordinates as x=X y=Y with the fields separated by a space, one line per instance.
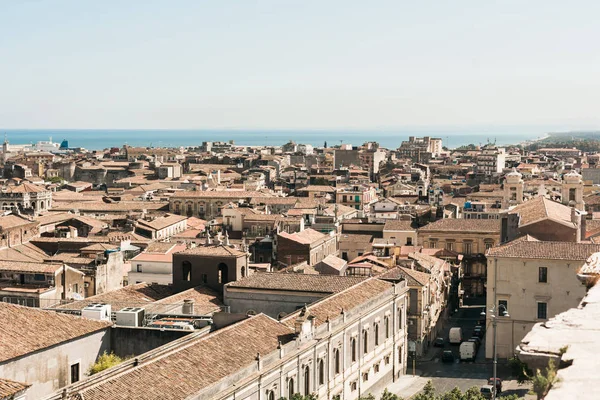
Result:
x=376 y=334
x=186 y=271
x=365 y=342
x=223 y=272
x=271 y=395
x=243 y=272
x=306 y=380
x=321 y=372
x=353 y=348
x=291 y=390
x=386 y=322
x=336 y=361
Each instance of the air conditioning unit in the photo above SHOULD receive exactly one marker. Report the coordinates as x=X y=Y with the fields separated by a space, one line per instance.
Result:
x=131 y=316
x=97 y=311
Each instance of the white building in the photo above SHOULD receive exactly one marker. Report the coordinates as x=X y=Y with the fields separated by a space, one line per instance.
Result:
x=491 y=160
x=155 y=265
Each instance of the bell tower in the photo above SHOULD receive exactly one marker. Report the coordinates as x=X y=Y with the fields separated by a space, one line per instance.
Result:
x=513 y=189
x=572 y=190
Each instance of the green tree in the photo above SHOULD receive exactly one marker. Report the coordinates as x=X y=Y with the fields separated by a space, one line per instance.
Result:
x=428 y=392
x=473 y=393
x=55 y=179
x=105 y=361
x=367 y=397
x=544 y=380
x=519 y=369
x=387 y=395
x=454 y=394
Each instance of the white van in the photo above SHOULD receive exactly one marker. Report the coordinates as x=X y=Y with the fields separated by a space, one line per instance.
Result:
x=455 y=336
x=468 y=351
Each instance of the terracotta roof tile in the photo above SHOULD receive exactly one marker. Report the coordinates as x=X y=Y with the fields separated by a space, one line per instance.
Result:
x=25 y=329
x=398 y=225
x=187 y=370
x=9 y=388
x=138 y=295
x=214 y=250
x=529 y=247
x=331 y=307
x=307 y=236
x=540 y=208
x=296 y=282
x=463 y=225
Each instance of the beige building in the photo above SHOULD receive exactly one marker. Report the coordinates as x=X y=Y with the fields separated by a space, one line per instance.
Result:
x=534 y=280
x=345 y=346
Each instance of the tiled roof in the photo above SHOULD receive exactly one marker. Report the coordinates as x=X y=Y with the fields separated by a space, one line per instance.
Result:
x=206 y=301
x=463 y=225
x=218 y=194
x=540 y=208
x=115 y=207
x=426 y=261
x=296 y=282
x=214 y=250
x=9 y=388
x=12 y=221
x=138 y=295
x=307 y=236
x=187 y=370
x=334 y=262
x=25 y=329
x=331 y=307
x=29 y=267
x=413 y=277
x=529 y=247
x=162 y=222
x=26 y=188
x=398 y=225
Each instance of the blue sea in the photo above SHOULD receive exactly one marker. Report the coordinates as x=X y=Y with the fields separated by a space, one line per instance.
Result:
x=105 y=138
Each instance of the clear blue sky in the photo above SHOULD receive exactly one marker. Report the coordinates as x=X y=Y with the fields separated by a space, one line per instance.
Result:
x=299 y=64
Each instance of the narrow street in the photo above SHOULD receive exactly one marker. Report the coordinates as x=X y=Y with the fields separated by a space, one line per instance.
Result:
x=464 y=375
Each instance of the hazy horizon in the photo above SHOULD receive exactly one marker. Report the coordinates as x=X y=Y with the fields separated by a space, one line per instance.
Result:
x=294 y=65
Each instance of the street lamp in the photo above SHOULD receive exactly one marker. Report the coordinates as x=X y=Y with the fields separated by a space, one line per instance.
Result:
x=502 y=312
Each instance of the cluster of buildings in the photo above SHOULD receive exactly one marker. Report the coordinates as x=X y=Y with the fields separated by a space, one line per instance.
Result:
x=258 y=272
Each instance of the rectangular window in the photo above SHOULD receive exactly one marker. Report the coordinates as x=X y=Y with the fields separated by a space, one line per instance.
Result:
x=204 y=278
x=543 y=275
x=449 y=246
x=503 y=303
x=75 y=373
x=467 y=247
x=139 y=268
x=409 y=241
x=489 y=245
x=542 y=310
x=75 y=288
x=433 y=244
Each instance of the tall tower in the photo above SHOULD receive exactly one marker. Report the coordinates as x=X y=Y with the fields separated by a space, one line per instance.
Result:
x=5 y=149
x=572 y=190
x=513 y=189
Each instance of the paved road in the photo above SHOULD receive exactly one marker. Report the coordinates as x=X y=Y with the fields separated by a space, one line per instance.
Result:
x=465 y=375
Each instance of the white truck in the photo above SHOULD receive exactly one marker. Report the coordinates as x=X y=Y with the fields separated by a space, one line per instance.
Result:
x=455 y=336
x=468 y=351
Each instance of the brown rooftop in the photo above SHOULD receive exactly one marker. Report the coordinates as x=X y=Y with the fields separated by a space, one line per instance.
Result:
x=296 y=282
x=529 y=247
x=331 y=307
x=25 y=329
x=138 y=295
x=10 y=389
x=464 y=225
x=214 y=250
x=188 y=370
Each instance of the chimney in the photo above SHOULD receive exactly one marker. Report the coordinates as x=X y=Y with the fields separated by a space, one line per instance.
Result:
x=188 y=307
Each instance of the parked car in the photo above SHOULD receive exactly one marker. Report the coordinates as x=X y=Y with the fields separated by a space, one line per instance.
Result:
x=478 y=331
x=498 y=384
x=476 y=341
x=439 y=342
x=468 y=351
x=487 y=391
x=447 y=356
x=455 y=335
